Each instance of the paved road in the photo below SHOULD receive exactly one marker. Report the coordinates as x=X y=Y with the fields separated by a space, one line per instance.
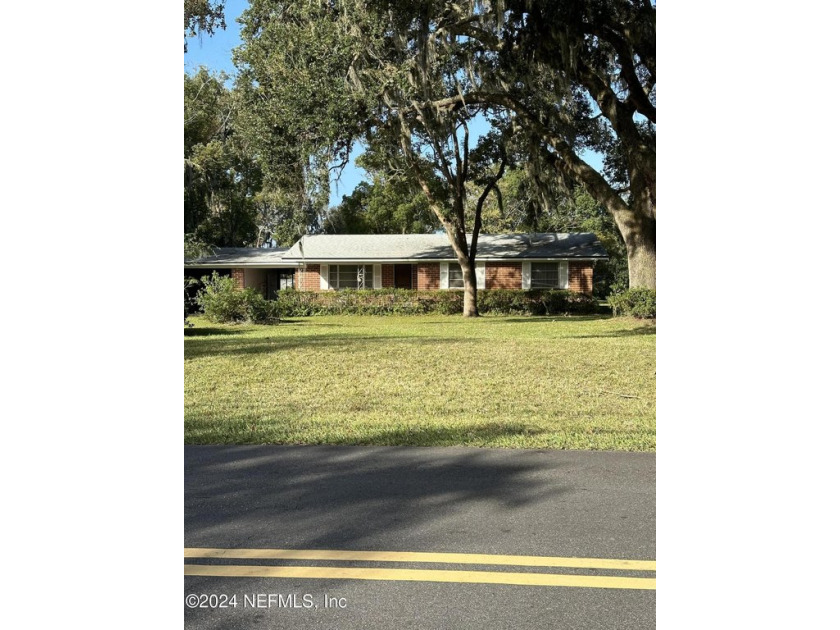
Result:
x=442 y=500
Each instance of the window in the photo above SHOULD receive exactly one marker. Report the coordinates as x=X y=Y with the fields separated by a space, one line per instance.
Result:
x=285 y=279
x=351 y=276
x=544 y=276
x=456 y=276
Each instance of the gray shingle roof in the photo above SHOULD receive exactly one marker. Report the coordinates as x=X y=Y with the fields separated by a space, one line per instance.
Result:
x=436 y=246
x=361 y=247
x=225 y=256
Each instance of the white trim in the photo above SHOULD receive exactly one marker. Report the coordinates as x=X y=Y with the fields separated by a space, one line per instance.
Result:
x=244 y=266
x=479 y=274
x=526 y=274
x=325 y=277
x=370 y=261
x=563 y=274
x=444 y=275
x=404 y=261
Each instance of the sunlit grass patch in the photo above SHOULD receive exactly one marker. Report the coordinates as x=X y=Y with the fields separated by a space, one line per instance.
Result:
x=518 y=382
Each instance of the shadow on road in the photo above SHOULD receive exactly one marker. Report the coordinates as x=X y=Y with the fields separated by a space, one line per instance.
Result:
x=340 y=497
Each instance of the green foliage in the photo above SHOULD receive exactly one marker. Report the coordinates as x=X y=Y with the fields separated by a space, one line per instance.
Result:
x=387 y=206
x=580 y=212
x=234 y=194
x=352 y=302
x=202 y=16
x=189 y=283
x=536 y=302
x=638 y=302
x=221 y=173
x=557 y=79
x=194 y=247
x=406 y=302
x=262 y=311
x=222 y=301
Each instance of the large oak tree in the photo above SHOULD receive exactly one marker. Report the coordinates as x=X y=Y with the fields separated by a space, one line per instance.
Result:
x=328 y=74
x=410 y=76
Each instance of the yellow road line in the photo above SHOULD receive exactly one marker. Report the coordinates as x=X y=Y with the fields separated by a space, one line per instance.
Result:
x=421 y=575
x=414 y=556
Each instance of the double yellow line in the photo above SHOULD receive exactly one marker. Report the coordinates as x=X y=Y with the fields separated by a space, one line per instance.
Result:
x=421 y=575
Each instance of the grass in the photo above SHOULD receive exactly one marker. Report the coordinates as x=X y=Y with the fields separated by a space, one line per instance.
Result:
x=516 y=382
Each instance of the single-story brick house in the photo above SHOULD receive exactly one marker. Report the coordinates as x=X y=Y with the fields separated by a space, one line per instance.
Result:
x=424 y=262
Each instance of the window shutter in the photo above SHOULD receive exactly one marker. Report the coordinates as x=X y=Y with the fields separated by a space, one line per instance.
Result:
x=479 y=274
x=325 y=277
x=444 y=275
x=563 y=273
x=377 y=276
x=526 y=275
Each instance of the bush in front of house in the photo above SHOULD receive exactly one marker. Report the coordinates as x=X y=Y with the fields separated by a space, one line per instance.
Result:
x=188 y=301
x=408 y=302
x=223 y=302
x=536 y=302
x=351 y=302
x=639 y=303
x=262 y=311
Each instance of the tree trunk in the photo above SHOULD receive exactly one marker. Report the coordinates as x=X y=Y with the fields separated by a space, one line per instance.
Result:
x=470 y=290
x=639 y=233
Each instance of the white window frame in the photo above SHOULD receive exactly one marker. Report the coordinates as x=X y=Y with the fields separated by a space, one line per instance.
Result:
x=457 y=268
x=361 y=276
x=446 y=274
x=562 y=274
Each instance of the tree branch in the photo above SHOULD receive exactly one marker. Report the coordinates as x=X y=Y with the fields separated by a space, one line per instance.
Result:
x=479 y=206
x=637 y=94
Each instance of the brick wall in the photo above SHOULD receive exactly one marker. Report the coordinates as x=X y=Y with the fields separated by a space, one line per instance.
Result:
x=428 y=276
x=309 y=279
x=238 y=276
x=502 y=275
x=580 y=276
x=387 y=276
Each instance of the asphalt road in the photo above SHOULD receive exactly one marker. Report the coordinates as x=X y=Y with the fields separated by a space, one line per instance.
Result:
x=443 y=500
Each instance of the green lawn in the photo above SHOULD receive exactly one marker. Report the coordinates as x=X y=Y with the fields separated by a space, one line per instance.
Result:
x=518 y=382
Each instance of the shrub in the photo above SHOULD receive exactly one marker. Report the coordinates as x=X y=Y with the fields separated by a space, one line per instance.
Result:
x=640 y=303
x=261 y=311
x=406 y=302
x=535 y=302
x=222 y=301
x=189 y=301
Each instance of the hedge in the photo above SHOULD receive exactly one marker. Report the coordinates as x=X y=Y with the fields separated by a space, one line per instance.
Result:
x=639 y=303
x=291 y=303
x=223 y=302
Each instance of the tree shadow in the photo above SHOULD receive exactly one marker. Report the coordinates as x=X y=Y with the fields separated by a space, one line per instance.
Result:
x=632 y=332
x=268 y=345
x=211 y=332
x=467 y=435
x=338 y=497
x=533 y=319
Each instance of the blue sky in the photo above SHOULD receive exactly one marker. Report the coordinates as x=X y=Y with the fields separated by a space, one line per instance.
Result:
x=214 y=52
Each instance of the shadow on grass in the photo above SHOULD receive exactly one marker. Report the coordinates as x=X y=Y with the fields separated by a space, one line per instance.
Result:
x=439 y=436
x=632 y=332
x=535 y=319
x=268 y=345
x=211 y=332
x=468 y=435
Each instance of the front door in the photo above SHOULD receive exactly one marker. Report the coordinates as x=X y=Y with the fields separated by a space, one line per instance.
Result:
x=402 y=276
